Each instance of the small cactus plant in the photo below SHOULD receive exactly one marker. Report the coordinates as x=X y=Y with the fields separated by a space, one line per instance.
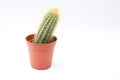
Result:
x=47 y=26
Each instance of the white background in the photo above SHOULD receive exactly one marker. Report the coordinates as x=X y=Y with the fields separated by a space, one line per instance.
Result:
x=88 y=46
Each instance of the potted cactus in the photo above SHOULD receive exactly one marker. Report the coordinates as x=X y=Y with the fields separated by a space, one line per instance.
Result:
x=41 y=45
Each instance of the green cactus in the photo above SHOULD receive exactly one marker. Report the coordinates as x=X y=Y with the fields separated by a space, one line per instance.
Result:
x=47 y=27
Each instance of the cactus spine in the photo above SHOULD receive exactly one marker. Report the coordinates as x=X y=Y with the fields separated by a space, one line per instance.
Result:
x=47 y=27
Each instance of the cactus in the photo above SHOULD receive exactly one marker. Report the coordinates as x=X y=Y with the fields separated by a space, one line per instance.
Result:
x=47 y=27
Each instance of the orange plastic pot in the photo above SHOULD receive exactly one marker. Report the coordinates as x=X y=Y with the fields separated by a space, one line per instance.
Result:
x=40 y=54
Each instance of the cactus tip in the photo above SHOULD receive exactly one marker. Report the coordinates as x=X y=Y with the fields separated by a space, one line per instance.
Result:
x=54 y=10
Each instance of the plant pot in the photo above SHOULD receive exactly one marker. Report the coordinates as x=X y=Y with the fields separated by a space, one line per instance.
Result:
x=40 y=54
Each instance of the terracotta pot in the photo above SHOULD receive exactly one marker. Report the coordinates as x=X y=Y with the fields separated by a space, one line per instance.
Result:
x=40 y=54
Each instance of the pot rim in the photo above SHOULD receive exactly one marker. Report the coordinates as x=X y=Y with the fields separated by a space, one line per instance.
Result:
x=32 y=36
